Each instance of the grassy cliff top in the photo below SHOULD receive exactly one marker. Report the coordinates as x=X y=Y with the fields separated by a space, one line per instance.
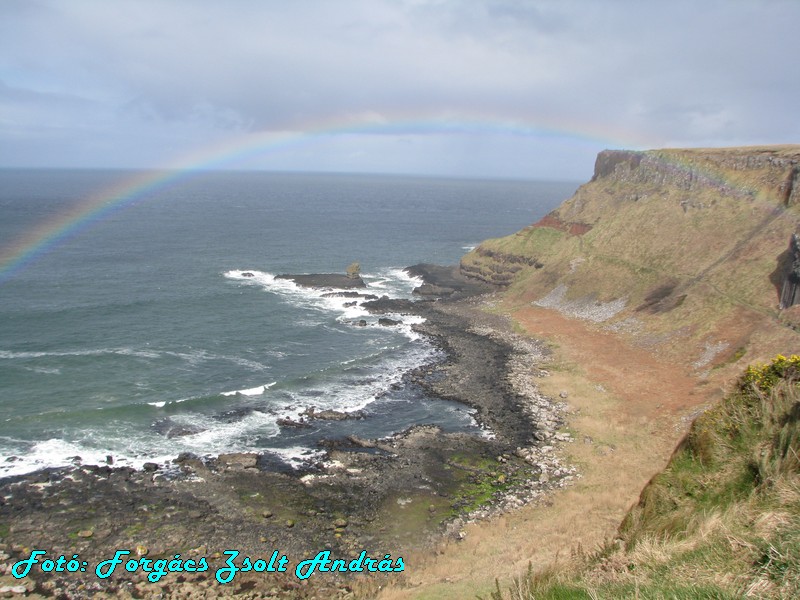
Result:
x=777 y=149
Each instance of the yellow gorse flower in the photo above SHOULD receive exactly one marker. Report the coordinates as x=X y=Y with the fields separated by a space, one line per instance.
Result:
x=764 y=377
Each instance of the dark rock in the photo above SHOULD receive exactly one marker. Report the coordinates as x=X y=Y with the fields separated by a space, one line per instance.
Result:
x=123 y=473
x=248 y=274
x=790 y=189
x=149 y=467
x=427 y=289
x=445 y=281
x=388 y=322
x=385 y=304
x=467 y=374
x=325 y=280
x=287 y=422
x=349 y=295
x=790 y=290
x=332 y=415
x=186 y=456
x=361 y=323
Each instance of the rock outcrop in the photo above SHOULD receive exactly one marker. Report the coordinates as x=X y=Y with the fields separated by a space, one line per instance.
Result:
x=500 y=269
x=444 y=281
x=790 y=290
x=326 y=280
x=715 y=169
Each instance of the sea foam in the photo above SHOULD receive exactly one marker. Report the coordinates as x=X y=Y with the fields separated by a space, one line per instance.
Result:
x=255 y=391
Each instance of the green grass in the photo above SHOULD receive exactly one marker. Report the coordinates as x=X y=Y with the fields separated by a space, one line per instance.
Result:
x=528 y=242
x=479 y=483
x=721 y=521
x=482 y=478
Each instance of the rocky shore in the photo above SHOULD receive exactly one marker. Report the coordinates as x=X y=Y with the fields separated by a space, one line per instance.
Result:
x=382 y=497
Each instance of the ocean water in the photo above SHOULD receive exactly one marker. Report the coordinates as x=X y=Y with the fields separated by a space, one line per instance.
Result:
x=139 y=337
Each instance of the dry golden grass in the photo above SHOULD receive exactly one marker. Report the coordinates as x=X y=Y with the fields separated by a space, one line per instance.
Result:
x=627 y=412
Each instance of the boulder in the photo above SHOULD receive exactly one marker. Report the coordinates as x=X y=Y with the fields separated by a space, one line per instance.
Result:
x=332 y=415
x=185 y=457
x=388 y=322
x=287 y=422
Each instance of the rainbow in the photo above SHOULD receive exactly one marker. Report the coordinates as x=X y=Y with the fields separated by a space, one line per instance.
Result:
x=19 y=253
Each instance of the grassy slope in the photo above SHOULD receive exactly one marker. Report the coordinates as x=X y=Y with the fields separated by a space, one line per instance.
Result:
x=721 y=521
x=706 y=233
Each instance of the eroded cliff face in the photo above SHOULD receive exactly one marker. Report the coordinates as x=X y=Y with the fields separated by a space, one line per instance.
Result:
x=729 y=172
x=500 y=268
x=666 y=245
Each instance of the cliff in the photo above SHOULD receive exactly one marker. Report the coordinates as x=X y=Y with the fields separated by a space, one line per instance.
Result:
x=676 y=248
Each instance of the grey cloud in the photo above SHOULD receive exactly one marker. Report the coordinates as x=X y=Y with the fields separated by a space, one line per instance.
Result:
x=169 y=75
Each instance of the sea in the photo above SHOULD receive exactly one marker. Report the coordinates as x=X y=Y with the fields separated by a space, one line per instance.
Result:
x=137 y=336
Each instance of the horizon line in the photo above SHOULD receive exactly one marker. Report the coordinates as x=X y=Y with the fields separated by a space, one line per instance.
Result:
x=313 y=172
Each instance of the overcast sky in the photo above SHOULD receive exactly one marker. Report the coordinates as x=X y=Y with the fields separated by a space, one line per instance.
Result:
x=495 y=88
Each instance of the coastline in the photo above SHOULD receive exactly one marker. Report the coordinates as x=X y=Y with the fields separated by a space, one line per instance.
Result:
x=400 y=494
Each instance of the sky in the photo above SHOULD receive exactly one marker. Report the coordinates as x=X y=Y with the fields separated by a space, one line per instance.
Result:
x=528 y=89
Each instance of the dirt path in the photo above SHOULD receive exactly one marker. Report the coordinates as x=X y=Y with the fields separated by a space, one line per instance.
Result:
x=628 y=410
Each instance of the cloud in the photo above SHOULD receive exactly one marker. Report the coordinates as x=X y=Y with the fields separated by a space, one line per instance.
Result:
x=140 y=80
